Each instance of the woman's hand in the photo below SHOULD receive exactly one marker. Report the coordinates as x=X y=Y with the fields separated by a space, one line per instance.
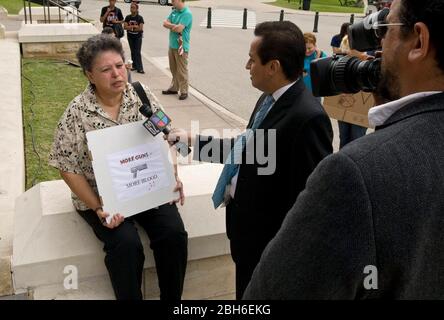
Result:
x=179 y=188
x=116 y=219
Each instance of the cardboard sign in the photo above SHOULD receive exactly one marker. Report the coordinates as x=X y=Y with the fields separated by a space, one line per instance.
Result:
x=133 y=169
x=351 y=108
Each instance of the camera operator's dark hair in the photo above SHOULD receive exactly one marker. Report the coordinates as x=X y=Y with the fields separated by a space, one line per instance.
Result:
x=431 y=13
x=96 y=45
x=283 y=41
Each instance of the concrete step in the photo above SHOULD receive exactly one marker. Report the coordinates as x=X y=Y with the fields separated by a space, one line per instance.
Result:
x=94 y=288
x=211 y=278
x=49 y=236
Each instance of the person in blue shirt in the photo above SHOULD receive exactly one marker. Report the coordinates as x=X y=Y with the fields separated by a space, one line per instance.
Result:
x=336 y=40
x=179 y=22
x=311 y=53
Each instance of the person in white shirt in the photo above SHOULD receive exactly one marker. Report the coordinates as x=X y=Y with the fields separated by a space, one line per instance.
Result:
x=370 y=221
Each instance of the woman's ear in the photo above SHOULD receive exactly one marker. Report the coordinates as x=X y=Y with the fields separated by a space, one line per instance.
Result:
x=90 y=76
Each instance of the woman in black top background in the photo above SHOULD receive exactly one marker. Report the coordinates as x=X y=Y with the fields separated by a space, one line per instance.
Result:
x=133 y=25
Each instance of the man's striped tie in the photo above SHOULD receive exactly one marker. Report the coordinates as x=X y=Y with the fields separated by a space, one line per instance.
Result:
x=235 y=157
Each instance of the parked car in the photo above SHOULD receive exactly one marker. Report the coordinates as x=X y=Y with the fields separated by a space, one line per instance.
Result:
x=161 y=2
x=75 y=3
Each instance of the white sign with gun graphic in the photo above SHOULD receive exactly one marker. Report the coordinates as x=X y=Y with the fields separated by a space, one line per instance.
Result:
x=137 y=171
x=133 y=169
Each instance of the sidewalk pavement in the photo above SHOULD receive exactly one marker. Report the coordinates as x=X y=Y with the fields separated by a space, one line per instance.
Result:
x=260 y=6
x=197 y=107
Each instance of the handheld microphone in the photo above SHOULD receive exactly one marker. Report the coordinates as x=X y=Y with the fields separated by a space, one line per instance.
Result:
x=157 y=122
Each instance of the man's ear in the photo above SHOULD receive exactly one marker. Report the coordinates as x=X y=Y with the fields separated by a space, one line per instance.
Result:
x=275 y=66
x=421 y=43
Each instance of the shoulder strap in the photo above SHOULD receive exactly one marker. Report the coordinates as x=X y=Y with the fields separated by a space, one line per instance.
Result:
x=141 y=93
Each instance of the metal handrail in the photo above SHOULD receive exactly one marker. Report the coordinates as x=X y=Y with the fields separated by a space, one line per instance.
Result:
x=48 y=4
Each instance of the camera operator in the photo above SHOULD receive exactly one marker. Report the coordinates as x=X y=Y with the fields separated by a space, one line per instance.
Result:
x=378 y=233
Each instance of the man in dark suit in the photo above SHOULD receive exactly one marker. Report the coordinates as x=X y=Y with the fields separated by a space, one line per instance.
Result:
x=292 y=128
x=370 y=222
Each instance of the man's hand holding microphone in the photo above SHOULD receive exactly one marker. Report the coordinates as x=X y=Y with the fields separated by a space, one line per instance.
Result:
x=179 y=135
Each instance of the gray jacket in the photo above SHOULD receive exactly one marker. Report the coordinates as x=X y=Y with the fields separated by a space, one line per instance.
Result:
x=370 y=223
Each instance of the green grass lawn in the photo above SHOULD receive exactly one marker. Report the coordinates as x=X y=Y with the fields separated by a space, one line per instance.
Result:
x=14 y=6
x=319 y=5
x=55 y=84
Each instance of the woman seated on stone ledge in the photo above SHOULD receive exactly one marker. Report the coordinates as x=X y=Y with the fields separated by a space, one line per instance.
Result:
x=107 y=101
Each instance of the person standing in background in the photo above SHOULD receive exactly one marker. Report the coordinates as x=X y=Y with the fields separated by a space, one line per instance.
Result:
x=134 y=30
x=337 y=39
x=179 y=22
x=348 y=131
x=111 y=16
x=311 y=53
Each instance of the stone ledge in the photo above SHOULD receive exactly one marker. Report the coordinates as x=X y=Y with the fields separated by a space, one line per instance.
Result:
x=56 y=32
x=56 y=40
x=49 y=235
x=210 y=278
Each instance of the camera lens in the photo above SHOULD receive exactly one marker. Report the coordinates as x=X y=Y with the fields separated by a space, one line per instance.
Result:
x=344 y=74
x=368 y=74
x=355 y=75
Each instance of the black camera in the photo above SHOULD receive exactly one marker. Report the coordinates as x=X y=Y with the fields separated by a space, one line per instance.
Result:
x=346 y=74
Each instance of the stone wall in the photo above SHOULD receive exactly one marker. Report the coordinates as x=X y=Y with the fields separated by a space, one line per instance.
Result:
x=57 y=40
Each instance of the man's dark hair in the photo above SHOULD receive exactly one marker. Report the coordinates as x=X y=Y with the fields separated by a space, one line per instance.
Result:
x=96 y=45
x=431 y=13
x=283 y=41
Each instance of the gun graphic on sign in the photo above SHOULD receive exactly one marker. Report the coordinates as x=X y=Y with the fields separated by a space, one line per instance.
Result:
x=138 y=168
